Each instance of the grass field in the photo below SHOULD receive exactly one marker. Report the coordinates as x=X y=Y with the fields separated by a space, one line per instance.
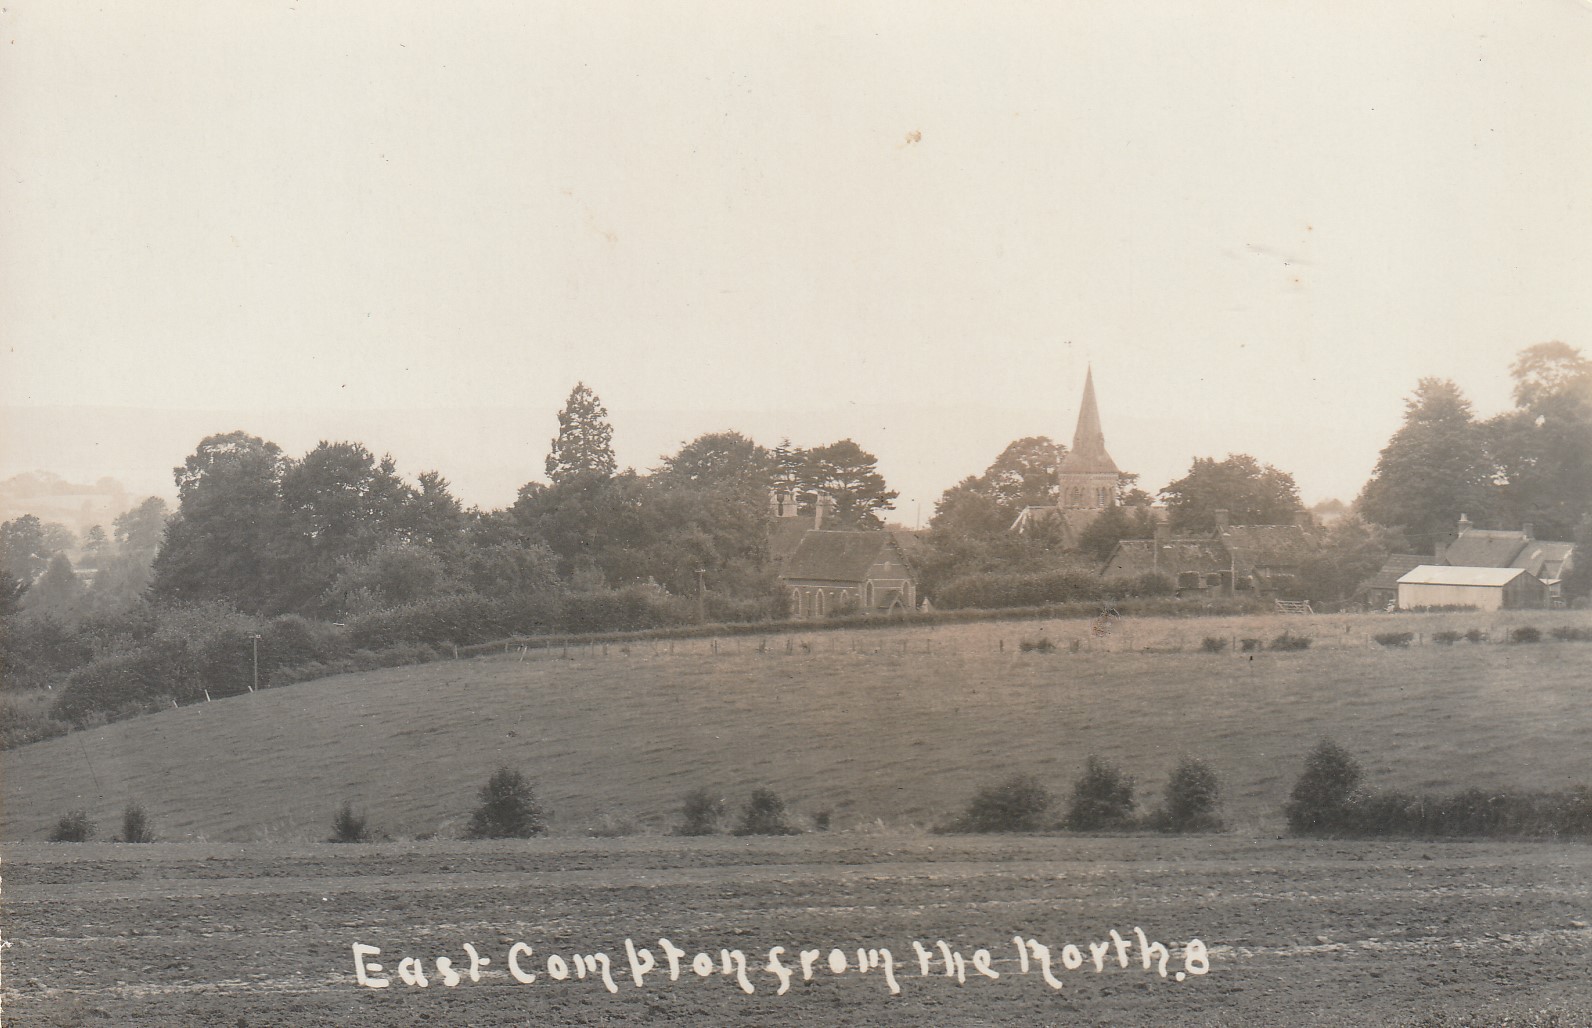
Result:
x=890 y=726
x=1298 y=932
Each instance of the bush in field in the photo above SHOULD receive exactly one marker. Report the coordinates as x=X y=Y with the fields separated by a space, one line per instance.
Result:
x=1287 y=642
x=1101 y=799
x=700 y=813
x=1214 y=644
x=1039 y=645
x=613 y=824
x=1017 y=804
x=508 y=809
x=1446 y=638
x=764 y=814
x=1321 y=795
x=1251 y=645
x=1475 y=635
x=1525 y=634
x=1193 y=794
x=990 y=590
x=74 y=826
x=1400 y=639
x=135 y=825
x=1566 y=633
x=348 y=826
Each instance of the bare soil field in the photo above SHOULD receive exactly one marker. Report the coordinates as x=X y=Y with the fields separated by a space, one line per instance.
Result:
x=1296 y=932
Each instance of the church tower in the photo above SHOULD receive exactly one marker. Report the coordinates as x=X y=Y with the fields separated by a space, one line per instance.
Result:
x=1087 y=475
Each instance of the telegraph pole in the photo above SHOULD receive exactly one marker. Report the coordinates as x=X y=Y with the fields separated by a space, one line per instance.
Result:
x=256 y=663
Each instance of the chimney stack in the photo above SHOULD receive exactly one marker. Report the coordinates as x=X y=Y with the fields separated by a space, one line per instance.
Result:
x=1464 y=524
x=1222 y=521
x=1526 y=530
x=823 y=506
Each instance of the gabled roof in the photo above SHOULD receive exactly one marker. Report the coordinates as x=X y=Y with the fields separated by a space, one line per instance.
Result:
x=1546 y=560
x=785 y=534
x=1484 y=548
x=1438 y=574
x=1397 y=566
x=1134 y=557
x=1255 y=546
x=836 y=556
x=1088 y=455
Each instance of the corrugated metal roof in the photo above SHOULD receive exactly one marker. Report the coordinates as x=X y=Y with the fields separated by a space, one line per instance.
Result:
x=1434 y=574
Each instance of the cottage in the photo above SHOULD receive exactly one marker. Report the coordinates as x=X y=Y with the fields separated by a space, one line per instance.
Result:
x=836 y=571
x=1234 y=558
x=1434 y=585
x=1492 y=548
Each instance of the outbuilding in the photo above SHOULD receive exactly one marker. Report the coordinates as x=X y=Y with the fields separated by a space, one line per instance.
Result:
x=1432 y=585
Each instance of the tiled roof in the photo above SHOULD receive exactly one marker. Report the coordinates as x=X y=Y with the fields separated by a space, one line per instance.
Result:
x=1544 y=559
x=835 y=556
x=1255 y=546
x=1398 y=565
x=1484 y=548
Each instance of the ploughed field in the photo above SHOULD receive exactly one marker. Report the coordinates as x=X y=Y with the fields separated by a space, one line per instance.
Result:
x=1295 y=932
x=890 y=727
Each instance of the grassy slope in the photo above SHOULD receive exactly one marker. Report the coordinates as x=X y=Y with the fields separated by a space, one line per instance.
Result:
x=853 y=724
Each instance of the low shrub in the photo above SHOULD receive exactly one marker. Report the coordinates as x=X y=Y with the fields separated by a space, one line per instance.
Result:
x=1040 y=645
x=1214 y=644
x=613 y=824
x=74 y=826
x=764 y=814
x=995 y=590
x=700 y=813
x=1475 y=635
x=508 y=809
x=1102 y=799
x=1446 y=638
x=135 y=825
x=1251 y=645
x=20 y=725
x=1289 y=642
x=1567 y=633
x=1525 y=634
x=1017 y=804
x=1399 y=639
x=348 y=826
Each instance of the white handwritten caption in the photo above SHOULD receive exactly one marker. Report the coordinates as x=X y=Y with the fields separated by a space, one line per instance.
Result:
x=937 y=961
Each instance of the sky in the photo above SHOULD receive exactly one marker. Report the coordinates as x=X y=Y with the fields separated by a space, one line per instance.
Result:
x=916 y=225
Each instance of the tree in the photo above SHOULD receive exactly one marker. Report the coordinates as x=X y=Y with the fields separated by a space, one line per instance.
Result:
x=1251 y=492
x=1352 y=550
x=96 y=547
x=584 y=445
x=1434 y=469
x=222 y=541
x=1024 y=475
x=1321 y=795
x=392 y=574
x=1114 y=524
x=432 y=515
x=339 y=503
x=1102 y=798
x=700 y=813
x=1578 y=583
x=1193 y=793
x=508 y=809
x=850 y=475
x=1017 y=804
x=721 y=460
x=25 y=548
x=1543 y=448
x=58 y=589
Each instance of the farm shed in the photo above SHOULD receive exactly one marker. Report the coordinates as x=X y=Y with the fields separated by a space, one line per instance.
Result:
x=1431 y=585
x=865 y=571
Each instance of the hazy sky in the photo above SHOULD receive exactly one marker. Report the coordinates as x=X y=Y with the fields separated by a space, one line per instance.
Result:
x=418 y=225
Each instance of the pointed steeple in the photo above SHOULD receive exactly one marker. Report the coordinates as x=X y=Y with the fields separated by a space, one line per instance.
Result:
x=1088 y=454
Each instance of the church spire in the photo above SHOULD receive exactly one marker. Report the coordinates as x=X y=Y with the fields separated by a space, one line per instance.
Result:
x=1088 y=454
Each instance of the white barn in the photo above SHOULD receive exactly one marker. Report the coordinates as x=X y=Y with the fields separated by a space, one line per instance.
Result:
x=1432 y=585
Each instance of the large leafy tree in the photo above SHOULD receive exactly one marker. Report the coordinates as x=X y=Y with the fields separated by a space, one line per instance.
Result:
x=24 y=548
x=584 y=445
x=1434 y=469
x=1352 y=550
x=850 y=475
x=339 y=504
x=125 y=571
x=1543 y=448
x=220 y=543
x=719 y=460
x=1251 y=492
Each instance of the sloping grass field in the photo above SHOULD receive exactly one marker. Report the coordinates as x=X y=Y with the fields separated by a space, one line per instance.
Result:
x=891 y=726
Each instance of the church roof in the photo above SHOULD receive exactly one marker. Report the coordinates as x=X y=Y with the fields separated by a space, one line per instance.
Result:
x=1088 y=455
x=828 y=556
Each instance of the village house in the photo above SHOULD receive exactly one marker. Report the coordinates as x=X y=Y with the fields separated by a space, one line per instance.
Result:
x=1259 y=559
x=1472 y=547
